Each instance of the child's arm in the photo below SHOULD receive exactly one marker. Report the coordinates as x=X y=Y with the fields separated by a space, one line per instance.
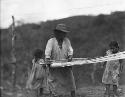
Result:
x=121 y=66
x=104 y=63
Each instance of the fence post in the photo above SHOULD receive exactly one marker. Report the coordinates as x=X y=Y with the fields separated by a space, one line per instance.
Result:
x=13 y=53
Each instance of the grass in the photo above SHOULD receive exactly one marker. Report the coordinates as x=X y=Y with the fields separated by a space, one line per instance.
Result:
x=85 y=91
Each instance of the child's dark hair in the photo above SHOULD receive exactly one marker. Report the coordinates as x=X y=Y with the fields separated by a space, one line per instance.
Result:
x=114 y=46
x=38 y=53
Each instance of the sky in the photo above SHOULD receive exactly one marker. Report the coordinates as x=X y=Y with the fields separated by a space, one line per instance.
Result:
x=35 y=11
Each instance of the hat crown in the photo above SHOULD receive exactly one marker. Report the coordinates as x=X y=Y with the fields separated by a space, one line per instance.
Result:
x=62 y=27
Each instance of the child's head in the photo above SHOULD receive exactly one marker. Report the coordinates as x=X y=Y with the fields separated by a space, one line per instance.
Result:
x=38 y=54
x=114 y=46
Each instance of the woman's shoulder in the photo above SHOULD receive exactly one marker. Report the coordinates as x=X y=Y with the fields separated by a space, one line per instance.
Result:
x=66 y=39
x=33 y=60
x=51 y=40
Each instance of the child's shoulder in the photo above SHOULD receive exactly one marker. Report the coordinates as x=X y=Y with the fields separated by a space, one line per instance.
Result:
x=38 y=61
x=41 y=60
x=108 y=52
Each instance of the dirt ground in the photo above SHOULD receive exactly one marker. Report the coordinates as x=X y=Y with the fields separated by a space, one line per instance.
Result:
x=87 y=91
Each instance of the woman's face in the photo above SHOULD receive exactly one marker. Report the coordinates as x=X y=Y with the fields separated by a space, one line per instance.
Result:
x=60 y=35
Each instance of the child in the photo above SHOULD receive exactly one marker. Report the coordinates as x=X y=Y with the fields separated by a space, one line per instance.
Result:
x=38 y=77
x=112 y=70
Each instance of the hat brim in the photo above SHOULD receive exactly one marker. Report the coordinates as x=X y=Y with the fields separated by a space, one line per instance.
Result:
x=66 y=31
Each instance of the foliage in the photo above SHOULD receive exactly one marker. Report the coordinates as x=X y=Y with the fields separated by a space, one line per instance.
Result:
x=90 y=36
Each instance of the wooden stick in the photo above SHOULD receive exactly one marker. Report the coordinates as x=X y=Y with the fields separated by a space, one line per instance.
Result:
x=13 y=56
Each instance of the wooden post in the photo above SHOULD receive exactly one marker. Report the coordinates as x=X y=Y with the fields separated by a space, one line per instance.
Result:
x=13 y=53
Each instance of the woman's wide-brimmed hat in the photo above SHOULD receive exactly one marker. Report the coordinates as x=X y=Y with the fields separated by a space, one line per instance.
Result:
x=62 y=27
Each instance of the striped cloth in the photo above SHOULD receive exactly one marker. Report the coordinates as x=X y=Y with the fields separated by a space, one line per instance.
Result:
x=82 y=61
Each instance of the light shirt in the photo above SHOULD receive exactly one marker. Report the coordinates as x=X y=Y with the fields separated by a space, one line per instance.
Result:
x=54 y=52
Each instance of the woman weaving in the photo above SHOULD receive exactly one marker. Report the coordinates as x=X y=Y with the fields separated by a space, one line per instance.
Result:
x=59 y=48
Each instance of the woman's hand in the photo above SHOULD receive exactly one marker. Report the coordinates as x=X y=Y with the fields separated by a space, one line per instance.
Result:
x=47 y=62
x=70 y=58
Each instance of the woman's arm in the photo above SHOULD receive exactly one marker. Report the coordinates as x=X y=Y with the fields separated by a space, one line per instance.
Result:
x=48 y=49
x=70 y=50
